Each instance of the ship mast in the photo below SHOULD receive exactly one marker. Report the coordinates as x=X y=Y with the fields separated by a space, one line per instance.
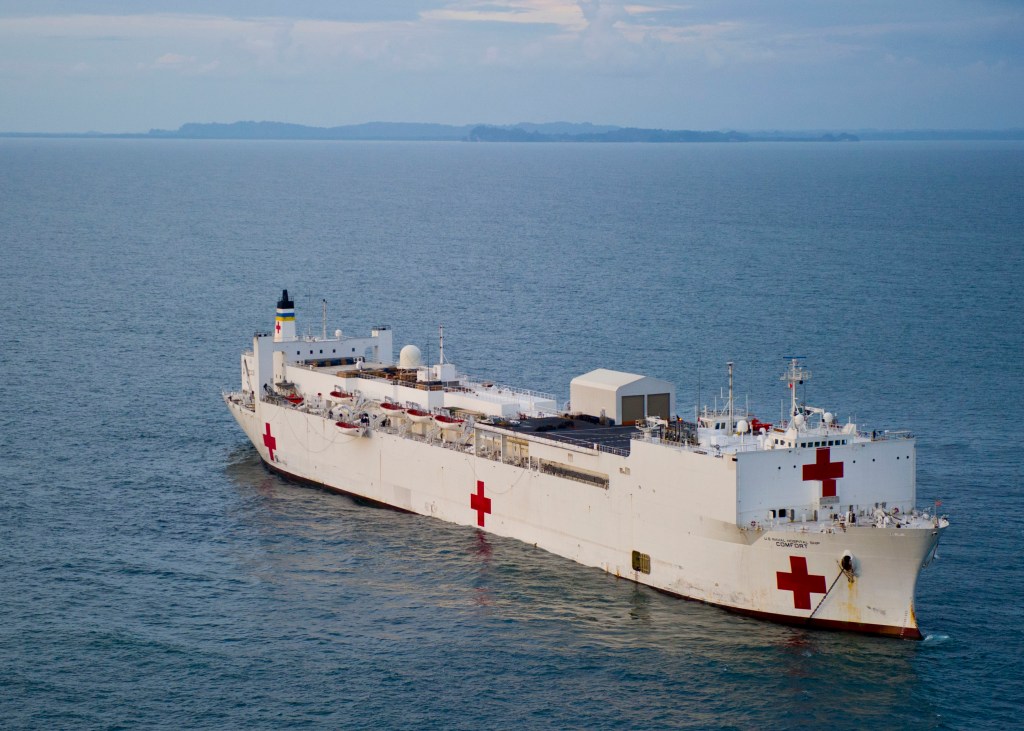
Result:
x=796 y=374
x=731 y=428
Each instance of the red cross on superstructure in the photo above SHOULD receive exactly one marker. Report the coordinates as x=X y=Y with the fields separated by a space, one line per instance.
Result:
x=277 y=327
x=270 y=442
x=825 y=470
x=479 y=503
x=800 y=582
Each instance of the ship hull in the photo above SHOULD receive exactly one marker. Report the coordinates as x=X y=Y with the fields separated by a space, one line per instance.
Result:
x=639 y=526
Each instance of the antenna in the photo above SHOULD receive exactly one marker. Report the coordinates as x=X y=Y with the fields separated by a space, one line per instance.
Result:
x=325 y=320
x=795 y=375
x=730 y=427
x=697 y=411
x=440 y=330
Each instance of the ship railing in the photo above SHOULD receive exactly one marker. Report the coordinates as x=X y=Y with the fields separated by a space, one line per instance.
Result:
x=431 y=437
x=881 y=436
x=500 y=387
x=242 y=398
x=581 y=444
x=688 y=445
x=420 y=385
x=876 y=435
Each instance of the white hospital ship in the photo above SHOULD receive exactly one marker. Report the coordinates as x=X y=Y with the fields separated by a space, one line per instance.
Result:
x=807 y=521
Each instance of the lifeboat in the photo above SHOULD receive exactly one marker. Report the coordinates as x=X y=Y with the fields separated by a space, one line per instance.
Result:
x=447 y=422
x=341 y=395
x=756 y=426
x=351 y=429
x=419 y=416
x=392 y=409
x=295 y=399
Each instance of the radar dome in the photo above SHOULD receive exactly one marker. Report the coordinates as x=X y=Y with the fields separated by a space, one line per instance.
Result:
x=742 y=426
x=828 y=418
x=798 y=420
x=410 y=357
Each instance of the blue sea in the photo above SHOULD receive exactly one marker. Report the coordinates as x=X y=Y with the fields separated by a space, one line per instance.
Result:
x=154 y=575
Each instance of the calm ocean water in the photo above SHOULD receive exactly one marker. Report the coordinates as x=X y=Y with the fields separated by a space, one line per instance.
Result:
x=154 y=575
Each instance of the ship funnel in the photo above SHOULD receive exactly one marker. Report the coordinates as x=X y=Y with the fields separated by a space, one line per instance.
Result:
x=284 y=325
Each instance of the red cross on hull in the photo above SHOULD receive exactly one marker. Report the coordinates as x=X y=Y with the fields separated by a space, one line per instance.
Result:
x=801 y=583
x=479 y=503
x=270 y=442
x=825 y=470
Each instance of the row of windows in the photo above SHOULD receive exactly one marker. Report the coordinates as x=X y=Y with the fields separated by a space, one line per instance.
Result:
x=822 y=443
x=299 y=352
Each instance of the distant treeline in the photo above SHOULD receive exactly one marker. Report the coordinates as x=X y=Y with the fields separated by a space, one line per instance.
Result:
x=633 y=134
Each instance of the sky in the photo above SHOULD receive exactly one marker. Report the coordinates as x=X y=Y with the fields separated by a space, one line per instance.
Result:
x=122 y=66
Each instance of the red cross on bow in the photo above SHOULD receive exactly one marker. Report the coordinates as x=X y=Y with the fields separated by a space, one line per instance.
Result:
x=825 y=470
x=479 y=503
x=270 y=442
x=800 y=582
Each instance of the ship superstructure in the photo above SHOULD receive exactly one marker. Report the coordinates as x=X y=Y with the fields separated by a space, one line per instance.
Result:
x=805 y=521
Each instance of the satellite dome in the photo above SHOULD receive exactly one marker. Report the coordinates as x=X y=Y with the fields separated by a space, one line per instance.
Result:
x=828 y=417
x=742 y=426
x=798 y=420
x=410 y=357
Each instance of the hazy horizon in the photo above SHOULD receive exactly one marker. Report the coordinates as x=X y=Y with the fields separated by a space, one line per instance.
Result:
x=529 y=123
x=109 y=67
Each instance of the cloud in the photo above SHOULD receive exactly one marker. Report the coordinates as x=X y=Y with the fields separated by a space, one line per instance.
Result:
x=561 y=13
x=177 y=62
x=436 y=58
x=174 y=59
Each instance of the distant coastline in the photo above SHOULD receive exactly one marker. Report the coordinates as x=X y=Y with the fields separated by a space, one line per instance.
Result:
x=522 y=132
